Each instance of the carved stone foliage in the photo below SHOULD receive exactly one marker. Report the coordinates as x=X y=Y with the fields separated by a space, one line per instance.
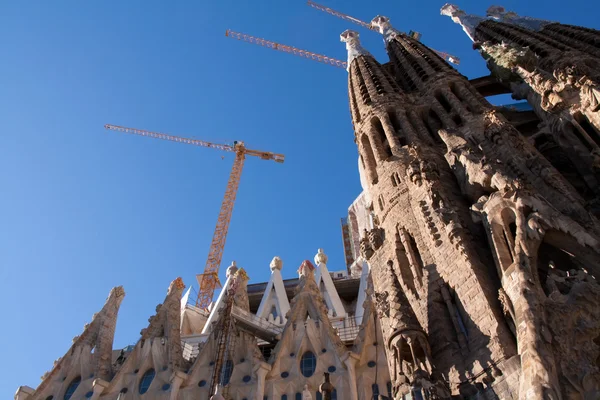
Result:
x=382 y=304
x=366 y=249
x=503 y=58
x=421 y=168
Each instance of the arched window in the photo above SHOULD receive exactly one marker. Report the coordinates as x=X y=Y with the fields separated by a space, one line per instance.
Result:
x=308 y=364
x=227 y=371
x=298 y=396
x=146 y=380
x=284 y=397
x=334 y=394
x=389 y=388
x=72 y=388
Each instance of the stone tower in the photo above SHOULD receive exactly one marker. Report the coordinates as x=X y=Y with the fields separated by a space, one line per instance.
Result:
x=556 y=68
x=482 y=254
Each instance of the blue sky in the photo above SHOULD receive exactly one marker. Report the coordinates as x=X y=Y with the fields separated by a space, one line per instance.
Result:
x=83 y=209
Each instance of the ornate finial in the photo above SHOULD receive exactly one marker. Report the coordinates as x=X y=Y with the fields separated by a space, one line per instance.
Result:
x=117 y=291
x=232 y=269
x=385 y=28
x=276 y=263
x=320 y=257
x=241 y=275
x=352 y=45
x=179 y=283
x=306 y=268
x=499 y=13
x=468 y=21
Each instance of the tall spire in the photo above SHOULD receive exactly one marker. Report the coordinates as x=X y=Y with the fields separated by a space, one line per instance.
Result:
x=353 y=45
x=468 y=21
x=500 y=14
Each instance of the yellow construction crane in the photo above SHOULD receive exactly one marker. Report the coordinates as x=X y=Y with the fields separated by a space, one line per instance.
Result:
x=209 y=279
x=285 y=48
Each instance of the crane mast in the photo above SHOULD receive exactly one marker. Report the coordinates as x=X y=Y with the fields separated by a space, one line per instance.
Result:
x=209 y=279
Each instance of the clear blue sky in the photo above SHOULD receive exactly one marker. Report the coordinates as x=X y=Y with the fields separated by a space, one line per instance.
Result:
x=83 y=210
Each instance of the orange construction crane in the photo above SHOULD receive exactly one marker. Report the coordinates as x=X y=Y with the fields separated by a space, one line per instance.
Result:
x=209 y=279
x=416 y=35
x=286 y=49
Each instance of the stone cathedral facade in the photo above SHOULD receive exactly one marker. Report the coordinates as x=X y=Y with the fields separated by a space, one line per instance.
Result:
x=473 y=250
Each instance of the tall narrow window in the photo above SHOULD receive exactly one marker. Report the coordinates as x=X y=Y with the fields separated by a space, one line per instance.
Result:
x=380 y=134
x=369 y=158
x=397 y=127
x=434 y=124
x=319 y=396
x=443 y=101
x=227 y=371
x=389 y=389
x=415 y=251
x=298 y=396
x=146 y=380
x=334 y=394
x=375 y=389
x=72 y=388
x=284 y=397
x=274 y=312
x=461 y=322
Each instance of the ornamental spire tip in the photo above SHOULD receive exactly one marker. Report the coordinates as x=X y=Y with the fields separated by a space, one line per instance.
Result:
x=351 y=38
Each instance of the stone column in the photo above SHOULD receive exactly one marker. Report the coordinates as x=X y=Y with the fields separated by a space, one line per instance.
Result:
x=176 y=380
x=261 y=373
x=350 y=359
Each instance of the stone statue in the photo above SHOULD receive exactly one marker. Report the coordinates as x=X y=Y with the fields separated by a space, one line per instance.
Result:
x=306 y=393
x=590 y=94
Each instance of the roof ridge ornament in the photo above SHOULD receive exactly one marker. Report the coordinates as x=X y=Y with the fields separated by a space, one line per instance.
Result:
x=468 y=21
x=355 y=49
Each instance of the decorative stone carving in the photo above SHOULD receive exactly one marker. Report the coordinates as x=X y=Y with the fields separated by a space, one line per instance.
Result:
x=231 y=270
x=320 y=257
x=376 y=237
x=276 y=263
x=351 y=38
x=382 y=304
x=366 y=249
x=502 y=59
